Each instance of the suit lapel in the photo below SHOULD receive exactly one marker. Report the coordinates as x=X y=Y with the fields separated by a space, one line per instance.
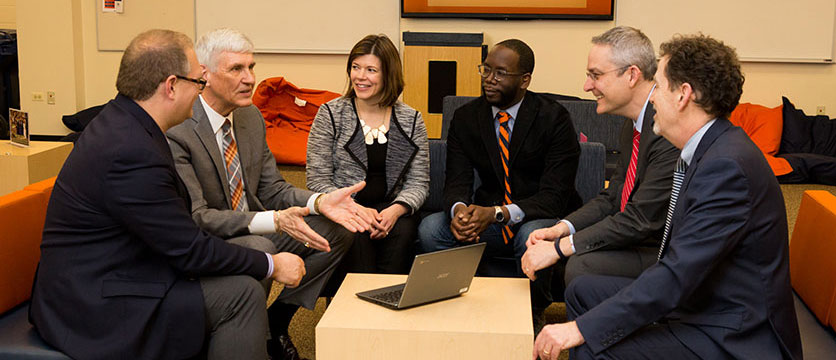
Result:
x=399 y=143
x=203 y=129
x=485 y=119
x=356 y=145
x=645 y=140
x=522 y=124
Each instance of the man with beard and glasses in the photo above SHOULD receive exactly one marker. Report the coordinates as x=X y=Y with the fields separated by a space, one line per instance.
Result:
x=522 y=146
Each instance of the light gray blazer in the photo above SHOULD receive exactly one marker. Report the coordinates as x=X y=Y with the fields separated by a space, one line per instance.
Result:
x=337 y=152
x=199 y=163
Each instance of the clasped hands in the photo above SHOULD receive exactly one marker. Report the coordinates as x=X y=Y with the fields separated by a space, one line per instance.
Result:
x=471 y=220
x=384 y=220
x=338 y=206
x=541 y=252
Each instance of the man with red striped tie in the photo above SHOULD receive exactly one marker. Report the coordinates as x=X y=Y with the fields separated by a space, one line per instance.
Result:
x=522 y=146
x=618 y=232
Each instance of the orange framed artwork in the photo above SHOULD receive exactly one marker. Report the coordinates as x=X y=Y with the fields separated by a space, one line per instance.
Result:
x=508 y=9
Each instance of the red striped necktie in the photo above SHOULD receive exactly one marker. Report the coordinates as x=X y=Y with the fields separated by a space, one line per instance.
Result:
x=504 y=141
x=630 y=179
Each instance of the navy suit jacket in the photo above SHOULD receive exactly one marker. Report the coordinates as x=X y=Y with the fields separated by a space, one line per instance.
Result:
x=724 y=276
x=544 y=154
x=120 y=249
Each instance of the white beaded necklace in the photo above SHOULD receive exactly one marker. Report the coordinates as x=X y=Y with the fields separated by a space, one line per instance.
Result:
x=370 y=134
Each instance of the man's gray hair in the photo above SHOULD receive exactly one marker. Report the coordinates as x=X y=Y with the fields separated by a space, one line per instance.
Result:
x=629 y=47
x=213 y=43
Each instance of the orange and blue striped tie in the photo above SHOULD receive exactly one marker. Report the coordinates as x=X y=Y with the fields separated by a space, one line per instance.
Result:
x=504 y=142
x=233 y=168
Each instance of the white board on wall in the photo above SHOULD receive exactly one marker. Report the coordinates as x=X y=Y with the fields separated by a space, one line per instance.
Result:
x=760 y=30
x=305 y=27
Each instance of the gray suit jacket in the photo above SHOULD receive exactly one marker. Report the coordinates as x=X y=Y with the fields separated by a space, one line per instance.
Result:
x=201 y=166
x=601 y=225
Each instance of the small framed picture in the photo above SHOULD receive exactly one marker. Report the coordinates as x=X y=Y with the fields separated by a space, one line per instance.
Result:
x=19 y=127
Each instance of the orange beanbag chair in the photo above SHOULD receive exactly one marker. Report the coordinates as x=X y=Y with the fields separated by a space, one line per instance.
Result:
x=288 y=113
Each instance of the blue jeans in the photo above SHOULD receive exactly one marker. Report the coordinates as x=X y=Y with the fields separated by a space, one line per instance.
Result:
x=434 y=234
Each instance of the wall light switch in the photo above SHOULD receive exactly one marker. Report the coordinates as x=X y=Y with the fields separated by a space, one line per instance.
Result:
x=820 y=110
x=37 y=96
x=50 y=97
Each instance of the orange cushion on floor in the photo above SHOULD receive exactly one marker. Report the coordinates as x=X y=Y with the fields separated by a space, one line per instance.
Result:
x=22 y=215
x=764 y=126
x=812 y=248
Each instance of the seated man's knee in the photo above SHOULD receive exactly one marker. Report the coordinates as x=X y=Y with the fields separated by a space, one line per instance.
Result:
x=433 y=231
x=254 y=242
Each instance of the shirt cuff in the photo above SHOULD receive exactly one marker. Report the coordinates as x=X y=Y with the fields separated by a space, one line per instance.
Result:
x=516 y=214
x=452 y=209
x=571 y=227
x=269 y=265
x=262 y=223
x=311 y=202
x=572 y=242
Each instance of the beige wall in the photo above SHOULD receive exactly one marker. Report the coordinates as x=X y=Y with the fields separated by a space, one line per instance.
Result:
x=85 y=76
x=8 y=14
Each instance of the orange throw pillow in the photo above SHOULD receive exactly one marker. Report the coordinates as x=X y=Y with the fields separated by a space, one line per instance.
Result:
x=764 y=127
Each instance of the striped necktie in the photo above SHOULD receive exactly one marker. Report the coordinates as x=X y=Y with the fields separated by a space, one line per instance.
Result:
x=630 y=179
x=678 y=176
x=504 y=142
x=233 y=168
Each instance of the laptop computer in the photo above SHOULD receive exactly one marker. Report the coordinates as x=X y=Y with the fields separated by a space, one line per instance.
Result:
x=434 y=276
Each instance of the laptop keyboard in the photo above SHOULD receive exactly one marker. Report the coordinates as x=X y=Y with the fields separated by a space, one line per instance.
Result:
x=391 y=297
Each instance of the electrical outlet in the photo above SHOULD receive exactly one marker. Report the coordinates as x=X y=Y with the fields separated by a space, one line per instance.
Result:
x=50 y=97
x=37 y=96
x=820 y=110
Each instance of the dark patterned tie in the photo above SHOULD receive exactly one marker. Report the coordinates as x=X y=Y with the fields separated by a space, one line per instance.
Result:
x=678 y=176
x=233 y=168
x=504 y=142
x=630 y=179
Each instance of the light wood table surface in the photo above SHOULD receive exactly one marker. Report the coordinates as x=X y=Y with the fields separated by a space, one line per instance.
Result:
x=491 y=321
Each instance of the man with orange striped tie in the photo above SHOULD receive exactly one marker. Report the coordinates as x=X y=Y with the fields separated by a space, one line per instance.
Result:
x=617 y=232
x=524 y=150
x=237 y=192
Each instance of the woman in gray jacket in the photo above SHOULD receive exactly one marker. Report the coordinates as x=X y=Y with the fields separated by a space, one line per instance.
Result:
x=368 y=134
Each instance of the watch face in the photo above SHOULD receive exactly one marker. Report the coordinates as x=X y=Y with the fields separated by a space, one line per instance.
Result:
x=500 y=216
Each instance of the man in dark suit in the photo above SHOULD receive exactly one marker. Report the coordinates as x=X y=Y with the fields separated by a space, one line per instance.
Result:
x=618 y=232
x=124 y=270
x=523 y=148
x=721 y=288
x=237 y=192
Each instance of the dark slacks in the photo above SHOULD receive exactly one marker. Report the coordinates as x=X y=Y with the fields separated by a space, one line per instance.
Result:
x=654 y=341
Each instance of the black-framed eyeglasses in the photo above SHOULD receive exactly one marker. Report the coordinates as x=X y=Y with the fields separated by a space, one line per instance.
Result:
x=596 y=76
x=498 y=74
x=201 y=83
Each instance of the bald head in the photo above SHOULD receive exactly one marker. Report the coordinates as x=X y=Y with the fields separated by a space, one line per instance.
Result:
x=149 y=59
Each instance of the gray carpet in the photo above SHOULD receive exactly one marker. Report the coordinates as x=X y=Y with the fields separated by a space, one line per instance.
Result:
x=303 y=324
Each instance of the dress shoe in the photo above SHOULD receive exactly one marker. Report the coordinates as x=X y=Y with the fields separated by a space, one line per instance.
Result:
x=282 y=348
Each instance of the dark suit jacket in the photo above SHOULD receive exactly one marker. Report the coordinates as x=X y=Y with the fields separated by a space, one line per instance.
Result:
x=544 y=155
x=120 y=248
x=725 y=272
x=201 y=166
x=601 y=224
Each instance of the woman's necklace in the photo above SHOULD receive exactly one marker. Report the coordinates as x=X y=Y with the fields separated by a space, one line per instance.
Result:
x=378 y=133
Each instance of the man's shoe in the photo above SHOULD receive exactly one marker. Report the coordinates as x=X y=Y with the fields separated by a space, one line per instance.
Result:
x=282 y=348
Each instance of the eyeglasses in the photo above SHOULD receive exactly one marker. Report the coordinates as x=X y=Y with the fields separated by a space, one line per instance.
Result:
x=498 y=74
x=596 y=76
x=201 y=83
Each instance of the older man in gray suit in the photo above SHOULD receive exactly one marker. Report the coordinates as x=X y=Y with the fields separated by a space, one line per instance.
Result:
x=237 y=192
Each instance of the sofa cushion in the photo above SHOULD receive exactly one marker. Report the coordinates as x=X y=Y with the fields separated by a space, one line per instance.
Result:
x=806 y=134
x=19 y=340
x=22 y=213
x=813 y=243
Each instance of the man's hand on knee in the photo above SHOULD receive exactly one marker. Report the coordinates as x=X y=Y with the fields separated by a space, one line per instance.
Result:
x=555 y=338
x=292 y=222
x=288 y=269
